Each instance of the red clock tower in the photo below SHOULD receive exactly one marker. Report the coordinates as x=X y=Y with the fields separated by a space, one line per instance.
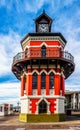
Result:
x=42 y=68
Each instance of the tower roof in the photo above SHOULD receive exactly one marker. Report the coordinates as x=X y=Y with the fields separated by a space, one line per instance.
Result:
x=43 y=16
x=44 y=34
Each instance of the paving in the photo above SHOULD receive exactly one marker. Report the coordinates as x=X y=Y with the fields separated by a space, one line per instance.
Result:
x=13 y=123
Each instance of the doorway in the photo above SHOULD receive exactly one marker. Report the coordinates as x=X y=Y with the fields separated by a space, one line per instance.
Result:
x=42 y=107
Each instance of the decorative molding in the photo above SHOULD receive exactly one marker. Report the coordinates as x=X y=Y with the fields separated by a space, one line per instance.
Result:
x=58 y=73
x=63 y=75
x=55 y=106
x=41 y=100
x=52 y=66
x=49 y=46
x=41 y=66
x=39 y=73
x=45 y=38
x=44 y=44
x=44 y=96
x=37 y=105
x=43 y=71
x=52 y=71
x=35 y=71
x=58 y=66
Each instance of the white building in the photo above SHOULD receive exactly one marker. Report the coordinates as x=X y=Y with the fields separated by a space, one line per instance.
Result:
x=72 y=99
x=6 y=109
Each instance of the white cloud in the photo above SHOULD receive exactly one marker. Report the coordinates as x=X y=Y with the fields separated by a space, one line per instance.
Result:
x=21 y=6
x=34 y=6
x=72 y=87
x=70 y=28
x=9 y=93
x=9 y=47
x=68 y=2
x=73 y=45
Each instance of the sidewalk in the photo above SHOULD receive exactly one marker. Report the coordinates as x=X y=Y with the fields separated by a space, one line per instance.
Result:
x=13 y=123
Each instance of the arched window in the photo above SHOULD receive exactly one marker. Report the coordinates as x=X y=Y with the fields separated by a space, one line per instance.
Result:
x=42 y=107
x=43 y=80
x=34 y=81
x=51 y=80
x=43 y=51
x=26 y=52
x=24 y=82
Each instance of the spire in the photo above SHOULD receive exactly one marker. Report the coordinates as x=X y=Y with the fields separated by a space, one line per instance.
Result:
x=43 y=11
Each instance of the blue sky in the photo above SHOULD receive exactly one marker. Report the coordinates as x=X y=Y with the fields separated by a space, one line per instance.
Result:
x=16 y=20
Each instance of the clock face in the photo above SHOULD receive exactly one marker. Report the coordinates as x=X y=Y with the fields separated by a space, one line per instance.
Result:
x=43 y=28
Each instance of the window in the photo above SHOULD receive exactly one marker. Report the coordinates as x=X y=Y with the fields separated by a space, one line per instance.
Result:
x=43 y=52
x=34 y=81
x=1 y=108
x=51 y=80
x=11 y=108
x=26 y=52
x=42 y=107
x=24 y=82
x=43 y=80
x=61 y=82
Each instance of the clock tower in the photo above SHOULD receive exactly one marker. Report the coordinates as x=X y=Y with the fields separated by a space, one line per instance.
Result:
x=42 y=68
x=43 y=23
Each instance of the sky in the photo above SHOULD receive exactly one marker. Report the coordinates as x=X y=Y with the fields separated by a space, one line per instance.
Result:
x=17 y=19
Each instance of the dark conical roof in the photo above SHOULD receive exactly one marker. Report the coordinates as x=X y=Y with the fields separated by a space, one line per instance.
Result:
x=43 y=15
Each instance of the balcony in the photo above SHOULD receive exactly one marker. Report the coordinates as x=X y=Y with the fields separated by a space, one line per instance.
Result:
x=39 y=57
x=49 y=54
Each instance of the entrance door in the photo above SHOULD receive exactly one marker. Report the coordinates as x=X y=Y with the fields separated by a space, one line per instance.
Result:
x=42 y=107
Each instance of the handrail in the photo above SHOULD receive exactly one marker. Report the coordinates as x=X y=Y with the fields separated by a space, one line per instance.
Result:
x=47 y=54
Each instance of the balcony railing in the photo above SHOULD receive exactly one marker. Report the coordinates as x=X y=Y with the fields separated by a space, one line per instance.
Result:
x=39 y=54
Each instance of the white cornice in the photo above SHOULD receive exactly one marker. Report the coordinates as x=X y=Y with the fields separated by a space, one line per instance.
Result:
x=39 y=73
x=45 y=38
x=49 y=46
x=42 y=96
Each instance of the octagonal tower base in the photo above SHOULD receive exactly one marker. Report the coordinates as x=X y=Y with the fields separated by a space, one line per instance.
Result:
x=42 y=117
x=56 y=105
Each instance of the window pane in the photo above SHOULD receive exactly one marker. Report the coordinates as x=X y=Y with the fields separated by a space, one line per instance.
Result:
x=51 y=80
x=43 y=51
x=24 y=82
x=34 y=81
x=0 y=108
x=43 y=80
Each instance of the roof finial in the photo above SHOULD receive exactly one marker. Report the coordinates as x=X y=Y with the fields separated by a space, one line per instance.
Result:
x=43 y=11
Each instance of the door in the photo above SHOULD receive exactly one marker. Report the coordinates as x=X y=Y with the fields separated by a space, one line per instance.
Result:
x=42 y=107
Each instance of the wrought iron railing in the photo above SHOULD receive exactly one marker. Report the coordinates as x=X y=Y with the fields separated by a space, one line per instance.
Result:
x=40 y=54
